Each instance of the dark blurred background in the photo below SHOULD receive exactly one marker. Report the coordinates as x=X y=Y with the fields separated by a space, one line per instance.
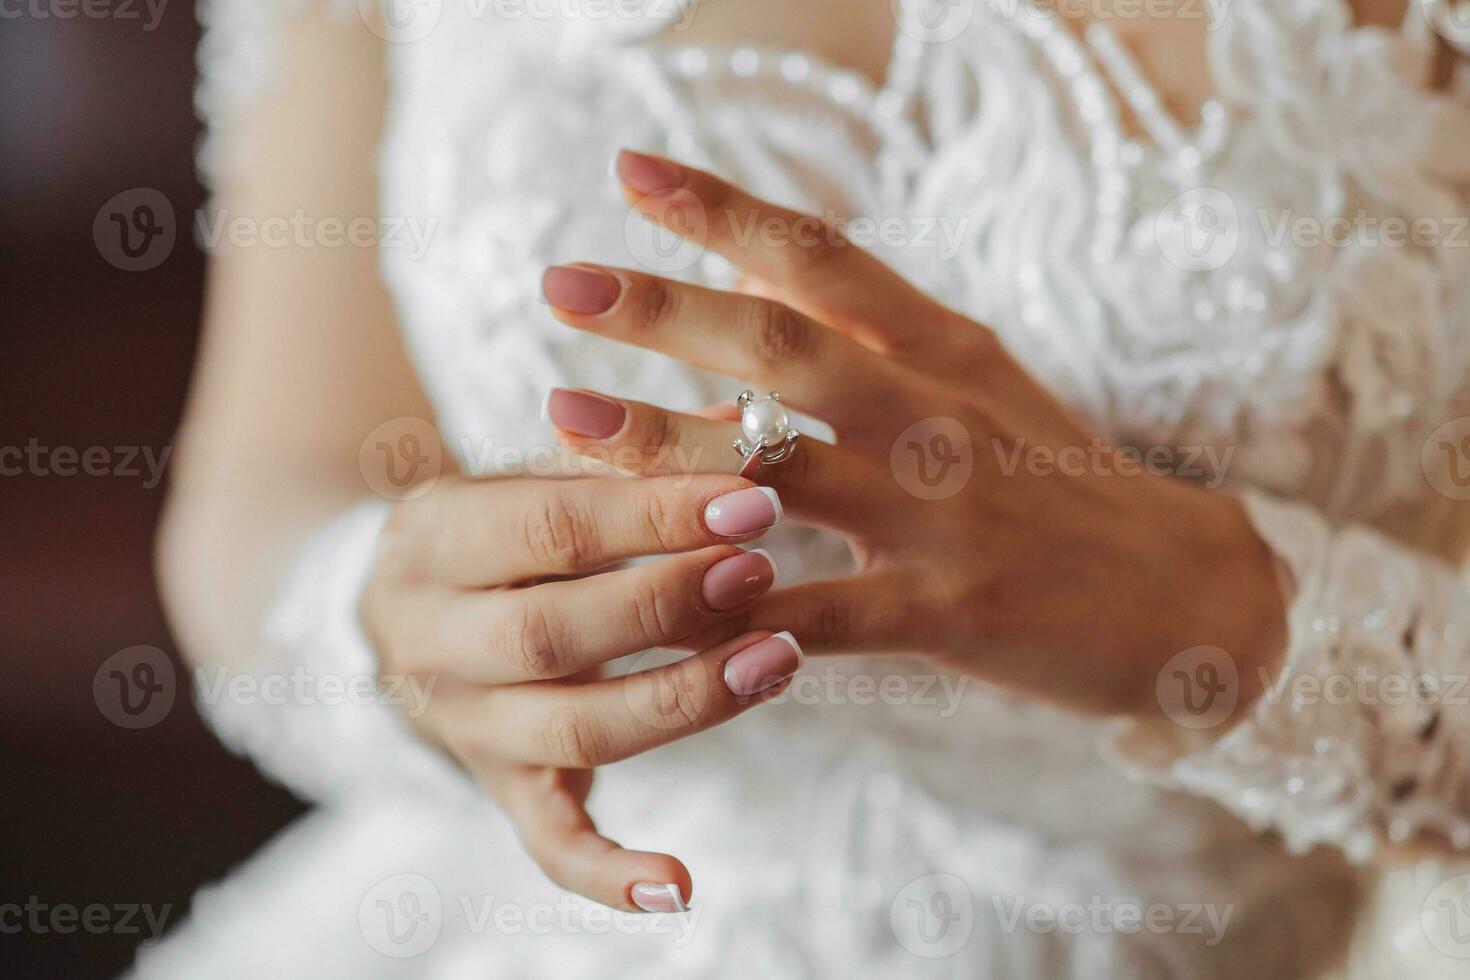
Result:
x=94 y=356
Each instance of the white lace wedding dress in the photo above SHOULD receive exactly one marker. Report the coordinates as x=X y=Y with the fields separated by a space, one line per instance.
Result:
x=1329 y=369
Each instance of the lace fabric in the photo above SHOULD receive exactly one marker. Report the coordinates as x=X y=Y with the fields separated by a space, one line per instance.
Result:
x=1314 y=369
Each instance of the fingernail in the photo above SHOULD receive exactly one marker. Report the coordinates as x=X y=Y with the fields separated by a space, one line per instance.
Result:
x=651 y=896
x=738 y=579
x=762 y=666
x=647 y=174
x=576 y=290
x=584 y=414
x=743 y=512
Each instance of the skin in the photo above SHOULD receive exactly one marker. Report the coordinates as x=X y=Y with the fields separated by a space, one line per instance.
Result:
x=1027 y=569
x=1006 y=580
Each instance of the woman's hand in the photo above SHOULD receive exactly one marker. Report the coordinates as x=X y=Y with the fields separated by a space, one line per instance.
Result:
x=1075 y=586
x=517 y=698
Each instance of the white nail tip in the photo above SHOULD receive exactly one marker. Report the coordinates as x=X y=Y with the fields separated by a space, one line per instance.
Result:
x=775 y=569
x=775 y=502
x=669 y=891
x=791 y=642
x=545 y=406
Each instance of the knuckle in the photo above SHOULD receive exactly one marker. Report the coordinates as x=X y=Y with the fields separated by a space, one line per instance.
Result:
x=833 y=625
x=680 y=696
x=660 y=432
x=556 y=535
x=779 y=333
x=662 y=523
x=716 y=195
x=817 y=252
x=530 y=640
x=980 y=350
x=574 y=739
x=653 y=615
x=657 y=303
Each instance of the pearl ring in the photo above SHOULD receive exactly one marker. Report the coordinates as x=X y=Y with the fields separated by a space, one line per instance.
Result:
x=766 y=430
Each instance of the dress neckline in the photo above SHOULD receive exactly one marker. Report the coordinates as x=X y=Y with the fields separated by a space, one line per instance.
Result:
x=798 y=64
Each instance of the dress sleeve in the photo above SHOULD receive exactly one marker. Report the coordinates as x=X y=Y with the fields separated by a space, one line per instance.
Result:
x=1364 y=735
x=311 y=711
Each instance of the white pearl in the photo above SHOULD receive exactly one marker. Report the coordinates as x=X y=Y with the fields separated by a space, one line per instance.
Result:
x=795 y=68
x=745 y=62
x=693 y=61
x=764 y=418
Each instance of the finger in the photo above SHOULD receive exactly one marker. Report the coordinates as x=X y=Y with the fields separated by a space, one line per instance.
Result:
x=867 y=613
x=744 y=337
x=802 y=259
x=721 y=411
x=558 y=629
x=483 y=533
x=547 y=807
x=582 y=726
x=821 y=484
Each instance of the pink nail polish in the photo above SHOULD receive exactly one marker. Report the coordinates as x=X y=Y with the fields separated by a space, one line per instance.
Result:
x=654 y=897
x=585 y=291
x=583 y=413
x=743 y=512
x=762 y=666
x=646 y=174
x=738 y=579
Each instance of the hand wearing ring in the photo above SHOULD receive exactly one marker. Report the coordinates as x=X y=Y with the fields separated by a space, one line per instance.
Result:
x=1073 y=584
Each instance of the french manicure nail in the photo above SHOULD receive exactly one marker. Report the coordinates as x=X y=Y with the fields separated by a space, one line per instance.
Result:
x=654 y=897
x=646 y=174
x=743 y=512
x=583 y=413
x=738 y=579
x=762 y=666
x=585 y=291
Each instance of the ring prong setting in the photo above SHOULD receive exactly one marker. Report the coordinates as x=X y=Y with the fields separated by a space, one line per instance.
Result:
x=766 y=433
